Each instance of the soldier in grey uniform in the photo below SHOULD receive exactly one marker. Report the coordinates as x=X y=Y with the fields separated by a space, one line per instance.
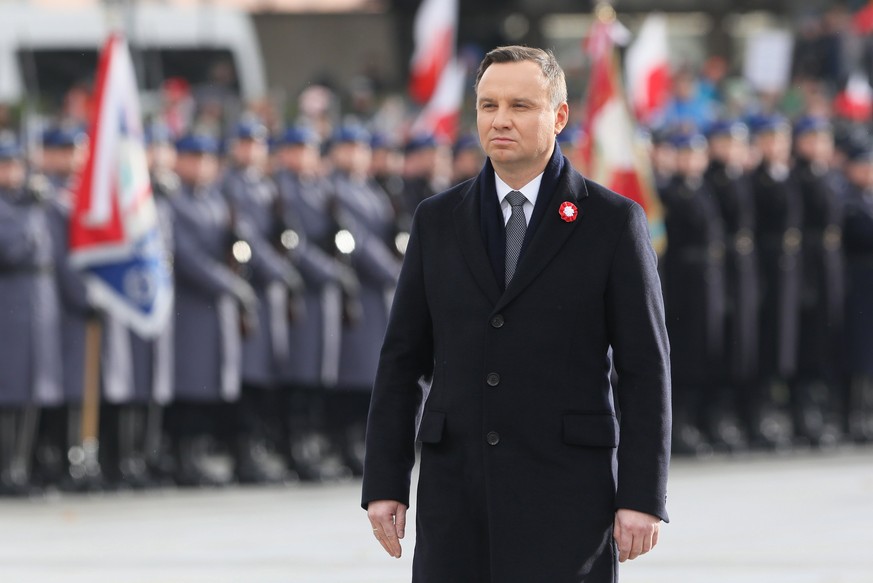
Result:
x=30 y=359
x=310 y=230
x=366 y=209
x=215 y=305
x=252 y=195
x=60 y=455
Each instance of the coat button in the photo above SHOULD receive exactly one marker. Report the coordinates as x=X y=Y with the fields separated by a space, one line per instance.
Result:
x=493 y=438
x=497 y=321
x=493 y=379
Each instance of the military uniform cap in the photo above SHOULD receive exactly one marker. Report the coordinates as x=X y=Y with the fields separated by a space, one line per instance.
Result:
x=811 y=124
x=688 y=141
x=351 y=134
x=728 y=127
x=763 y=123
x=197 y=144
x=466 y=142
x=251 y=130
x=569 y=136
x=420 y=142
x=299 y=136
x=63 y=136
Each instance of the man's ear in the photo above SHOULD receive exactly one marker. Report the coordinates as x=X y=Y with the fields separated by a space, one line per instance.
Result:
x=562 y=116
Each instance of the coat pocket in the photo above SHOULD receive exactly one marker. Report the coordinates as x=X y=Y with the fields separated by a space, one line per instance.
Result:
x=590 y=429
x=431 y=428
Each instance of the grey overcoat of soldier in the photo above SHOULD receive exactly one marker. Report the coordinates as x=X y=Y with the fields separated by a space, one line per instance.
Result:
x=207 y=316
x=368 y=212
x=252 y=195
x=75 y=305
x=314 y=341
x=30 y=357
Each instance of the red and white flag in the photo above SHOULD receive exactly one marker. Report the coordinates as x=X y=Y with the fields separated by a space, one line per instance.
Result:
x=114 y=232
x=647 y=67
x=442 y=113
x=611 y=152
x=435 y=34
x=855 y=102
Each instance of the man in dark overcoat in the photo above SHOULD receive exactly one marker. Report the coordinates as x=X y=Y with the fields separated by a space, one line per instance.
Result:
x=526 y=472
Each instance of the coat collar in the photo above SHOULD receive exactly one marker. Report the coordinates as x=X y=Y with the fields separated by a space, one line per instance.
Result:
x=549 y=234
x=546 y=234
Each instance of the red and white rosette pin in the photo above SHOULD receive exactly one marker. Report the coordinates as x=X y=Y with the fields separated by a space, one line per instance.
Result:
x=568 y=212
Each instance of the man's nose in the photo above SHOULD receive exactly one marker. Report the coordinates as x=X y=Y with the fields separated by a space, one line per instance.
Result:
x=502 y=118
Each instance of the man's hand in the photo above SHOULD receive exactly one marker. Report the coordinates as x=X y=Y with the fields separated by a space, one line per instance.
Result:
x=636 y=533
x=388 y=519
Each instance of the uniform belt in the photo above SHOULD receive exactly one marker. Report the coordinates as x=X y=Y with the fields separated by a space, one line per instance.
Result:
x=27 y=270
x=830 y=238
x=704 y=254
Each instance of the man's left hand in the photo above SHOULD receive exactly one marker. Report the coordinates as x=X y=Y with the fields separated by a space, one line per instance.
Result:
x=635 y=532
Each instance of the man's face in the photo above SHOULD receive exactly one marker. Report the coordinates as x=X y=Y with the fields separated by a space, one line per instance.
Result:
x=196 y=169
x=247 y=152
x=11 y=173
x=516 y=121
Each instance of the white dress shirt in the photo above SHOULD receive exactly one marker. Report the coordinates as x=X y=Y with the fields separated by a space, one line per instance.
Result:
x=529 y=190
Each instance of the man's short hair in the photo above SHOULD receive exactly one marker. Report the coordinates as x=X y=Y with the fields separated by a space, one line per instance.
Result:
x=544 y=58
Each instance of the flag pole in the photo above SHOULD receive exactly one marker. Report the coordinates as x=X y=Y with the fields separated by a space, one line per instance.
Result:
x=91 y=399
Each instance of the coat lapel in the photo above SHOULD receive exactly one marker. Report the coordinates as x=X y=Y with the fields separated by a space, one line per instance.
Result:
x=550 y=235
x=469 y=231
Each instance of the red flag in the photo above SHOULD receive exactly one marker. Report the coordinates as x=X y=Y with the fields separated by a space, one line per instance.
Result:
x=436 y=24
x=863 y=19
x=648 y=69
x=855 y=102
x=611 y=152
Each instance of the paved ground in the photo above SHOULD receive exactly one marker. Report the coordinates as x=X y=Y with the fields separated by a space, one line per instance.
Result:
x=798 y=518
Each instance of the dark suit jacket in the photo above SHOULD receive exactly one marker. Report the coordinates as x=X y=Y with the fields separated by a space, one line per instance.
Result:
x=523 y=460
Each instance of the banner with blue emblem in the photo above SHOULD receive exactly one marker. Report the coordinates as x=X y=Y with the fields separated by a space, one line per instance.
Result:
x=114 y=231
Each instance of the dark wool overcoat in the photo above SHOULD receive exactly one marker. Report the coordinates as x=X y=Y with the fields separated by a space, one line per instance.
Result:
x=523 y=460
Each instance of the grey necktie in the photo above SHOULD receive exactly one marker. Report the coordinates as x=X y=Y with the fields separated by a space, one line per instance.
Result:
x=515 y=230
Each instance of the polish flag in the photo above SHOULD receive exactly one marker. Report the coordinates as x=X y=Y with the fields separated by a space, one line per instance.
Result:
x=648 y=69
x=114 y=233
x=435 y=32
x=611 y=152
x=441 y=114
x=863 y=19
x=855 y=102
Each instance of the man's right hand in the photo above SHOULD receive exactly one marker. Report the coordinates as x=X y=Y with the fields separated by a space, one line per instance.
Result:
x=388 y=519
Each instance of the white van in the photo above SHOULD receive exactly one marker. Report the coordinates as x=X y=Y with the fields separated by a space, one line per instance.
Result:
x=44 y=51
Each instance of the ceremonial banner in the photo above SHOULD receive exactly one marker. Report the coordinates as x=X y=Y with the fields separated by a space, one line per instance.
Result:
x=114 y=232
x=435 y=33
x=611 y=150
x=648 y=69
